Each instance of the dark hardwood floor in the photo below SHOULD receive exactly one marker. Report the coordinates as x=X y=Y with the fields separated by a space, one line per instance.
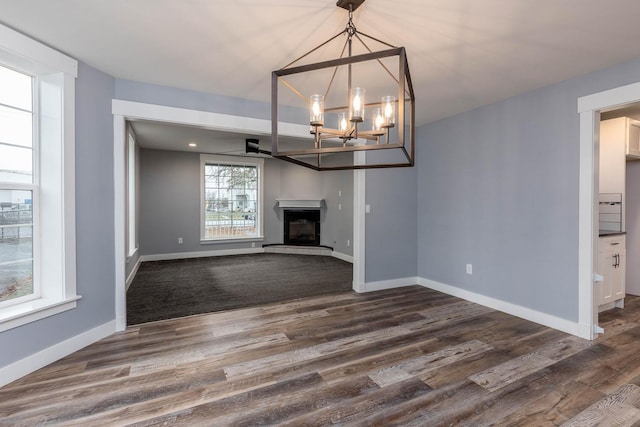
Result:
x=409 y=356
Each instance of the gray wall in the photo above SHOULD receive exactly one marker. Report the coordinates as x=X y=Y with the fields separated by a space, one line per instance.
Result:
x=338 y=196
x=170 y=203
x=94 y=226
x=633 y=227
x=390 y=227
x=336 y=229
x=498 y=188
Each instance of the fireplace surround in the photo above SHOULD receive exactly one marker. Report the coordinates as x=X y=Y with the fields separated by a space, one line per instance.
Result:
x=302 y=227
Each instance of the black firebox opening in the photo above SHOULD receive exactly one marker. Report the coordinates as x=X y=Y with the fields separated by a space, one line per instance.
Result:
x=302 y=227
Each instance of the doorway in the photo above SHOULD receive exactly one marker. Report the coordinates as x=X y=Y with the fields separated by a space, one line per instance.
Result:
x=126 y=110
x=590 y=109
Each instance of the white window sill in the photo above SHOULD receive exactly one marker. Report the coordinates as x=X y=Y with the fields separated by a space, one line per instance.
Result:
x=236 y=240
x=30 y=311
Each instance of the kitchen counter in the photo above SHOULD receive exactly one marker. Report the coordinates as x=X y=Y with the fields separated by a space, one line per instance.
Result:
x=603 y=233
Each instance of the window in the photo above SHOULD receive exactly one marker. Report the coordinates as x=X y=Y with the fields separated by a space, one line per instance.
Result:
x=16 y=187
x=231 y=205
x=37 y=208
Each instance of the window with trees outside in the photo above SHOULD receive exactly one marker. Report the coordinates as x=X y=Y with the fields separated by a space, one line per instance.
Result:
x=17 y=187
x=231 y=198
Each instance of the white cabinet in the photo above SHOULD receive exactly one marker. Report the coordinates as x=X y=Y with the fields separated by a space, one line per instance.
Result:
x=611 y=260
x=625 y=132
x=633 y=139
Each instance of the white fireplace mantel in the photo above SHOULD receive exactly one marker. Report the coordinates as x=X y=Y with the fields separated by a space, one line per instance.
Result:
x=300 y=203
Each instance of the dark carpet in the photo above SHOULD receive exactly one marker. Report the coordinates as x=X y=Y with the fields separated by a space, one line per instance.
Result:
x=169 y=289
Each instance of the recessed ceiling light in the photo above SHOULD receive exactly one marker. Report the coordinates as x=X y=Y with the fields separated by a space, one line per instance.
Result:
x=193 y=144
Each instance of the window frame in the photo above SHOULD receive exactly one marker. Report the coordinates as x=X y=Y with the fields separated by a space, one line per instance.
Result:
x=54 y=248
x=257 y=162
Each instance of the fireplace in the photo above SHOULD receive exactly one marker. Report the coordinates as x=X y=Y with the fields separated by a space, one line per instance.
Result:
x=302 y=227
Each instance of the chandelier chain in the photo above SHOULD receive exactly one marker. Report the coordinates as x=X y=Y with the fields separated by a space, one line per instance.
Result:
x=351 y=28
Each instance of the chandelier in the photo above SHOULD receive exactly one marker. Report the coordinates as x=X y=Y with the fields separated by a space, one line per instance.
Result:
x=361 y=105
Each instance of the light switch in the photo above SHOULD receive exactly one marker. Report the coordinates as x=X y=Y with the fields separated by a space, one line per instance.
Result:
x=367 y=208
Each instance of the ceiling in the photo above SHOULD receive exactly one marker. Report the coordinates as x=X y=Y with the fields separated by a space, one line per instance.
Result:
x=174 y=137
x=462 y=53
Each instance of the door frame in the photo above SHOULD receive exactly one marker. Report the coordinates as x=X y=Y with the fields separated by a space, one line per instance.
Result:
x=589 y=108
x=129 y=110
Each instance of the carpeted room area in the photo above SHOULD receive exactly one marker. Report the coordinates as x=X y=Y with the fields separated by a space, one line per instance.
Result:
x=177 y=288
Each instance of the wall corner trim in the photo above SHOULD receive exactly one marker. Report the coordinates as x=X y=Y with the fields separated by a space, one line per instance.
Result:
x=343 y=257
x=56 y=352
x=564 y=325
x=132 y=275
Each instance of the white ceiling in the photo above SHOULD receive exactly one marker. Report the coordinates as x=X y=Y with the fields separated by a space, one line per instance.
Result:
x=462 y=53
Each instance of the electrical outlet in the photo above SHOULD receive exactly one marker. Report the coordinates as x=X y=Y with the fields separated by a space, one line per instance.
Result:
x=339 y=193
x=348 y=243
x=469 y=269
x=179 y=240
x=339 y=206
x=367 y=208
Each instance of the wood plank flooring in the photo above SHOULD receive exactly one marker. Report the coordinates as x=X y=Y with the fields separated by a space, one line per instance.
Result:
x=409 y=356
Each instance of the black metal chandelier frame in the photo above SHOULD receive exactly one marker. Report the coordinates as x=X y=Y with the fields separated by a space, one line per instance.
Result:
x=349 y=135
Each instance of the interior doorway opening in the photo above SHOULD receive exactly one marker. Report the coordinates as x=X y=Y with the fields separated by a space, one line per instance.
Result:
x=591 y=108
x=125 y=110
x=618 y=205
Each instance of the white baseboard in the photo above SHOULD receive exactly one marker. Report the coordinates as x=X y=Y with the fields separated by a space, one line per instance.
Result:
x=343 y=257
x=387 y=284
x=545 y=319
x=49 y=355
x=132 y=275
x=200 y=254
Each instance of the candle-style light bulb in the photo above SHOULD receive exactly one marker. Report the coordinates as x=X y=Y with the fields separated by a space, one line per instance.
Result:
x=342 y=122
x=377 y=121
x=389 y=110
x=316 y=114
x=357 y=104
